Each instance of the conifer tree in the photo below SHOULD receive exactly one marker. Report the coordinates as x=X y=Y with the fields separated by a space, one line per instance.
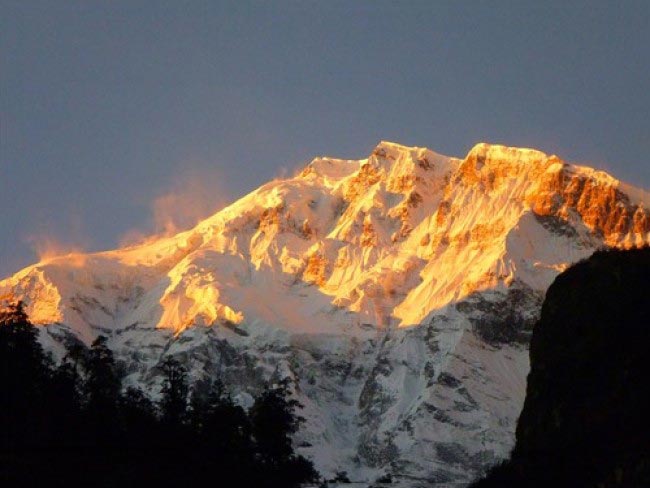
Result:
x=173 y=403
x=24 y=370
x=274 y=420
x=64 y=405
x=75 y=411
x=102 y=388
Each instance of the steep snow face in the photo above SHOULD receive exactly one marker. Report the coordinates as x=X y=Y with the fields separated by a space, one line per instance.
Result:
x=398 y=291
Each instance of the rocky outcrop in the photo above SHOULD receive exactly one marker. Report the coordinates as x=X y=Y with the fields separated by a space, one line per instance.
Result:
x=585 y=414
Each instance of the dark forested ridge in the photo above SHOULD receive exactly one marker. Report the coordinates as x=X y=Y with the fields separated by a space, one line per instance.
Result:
x=586 y=417
x=72 y=425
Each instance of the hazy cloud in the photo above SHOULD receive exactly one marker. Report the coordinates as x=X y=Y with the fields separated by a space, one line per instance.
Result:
x=192 y=196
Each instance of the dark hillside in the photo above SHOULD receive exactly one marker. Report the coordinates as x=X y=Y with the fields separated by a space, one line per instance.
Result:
x=585 y=420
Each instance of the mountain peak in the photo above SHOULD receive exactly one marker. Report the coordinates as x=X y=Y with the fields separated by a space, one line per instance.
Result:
x=439 y=227
x=394 y=151
x=498 y=151
x=380 y=285
x=393 y=146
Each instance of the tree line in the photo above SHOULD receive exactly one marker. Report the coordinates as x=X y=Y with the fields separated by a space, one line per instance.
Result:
x=73 y=424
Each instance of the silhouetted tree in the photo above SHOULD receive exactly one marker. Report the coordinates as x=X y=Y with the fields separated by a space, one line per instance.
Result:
x=137 y=413
x=173 y=403
x=225 y=426
x=222 y=432
x=102 y=389
x=75 y=411
x=23 y=375
x=205 y=394
x=274 y=421
x=64 y=405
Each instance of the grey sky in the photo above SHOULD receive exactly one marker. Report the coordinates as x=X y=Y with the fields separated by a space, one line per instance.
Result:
x=106 y=106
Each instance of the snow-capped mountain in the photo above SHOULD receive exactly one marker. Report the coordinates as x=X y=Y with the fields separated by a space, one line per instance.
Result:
x=398 y=291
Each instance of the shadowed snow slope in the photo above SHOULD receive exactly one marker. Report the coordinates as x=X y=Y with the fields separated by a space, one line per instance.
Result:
x=398 y=291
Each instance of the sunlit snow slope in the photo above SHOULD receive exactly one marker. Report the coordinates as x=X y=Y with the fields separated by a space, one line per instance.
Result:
x=398 y=291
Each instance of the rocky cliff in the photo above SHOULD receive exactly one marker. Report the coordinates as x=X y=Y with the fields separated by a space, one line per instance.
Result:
x=584 y=420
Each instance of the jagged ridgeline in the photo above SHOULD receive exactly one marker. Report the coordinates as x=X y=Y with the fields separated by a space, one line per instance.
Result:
x=585 y=418
x=396 y=292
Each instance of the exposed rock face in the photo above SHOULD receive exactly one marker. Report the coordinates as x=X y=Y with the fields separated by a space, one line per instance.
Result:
x=397 y=291
x=584 y=421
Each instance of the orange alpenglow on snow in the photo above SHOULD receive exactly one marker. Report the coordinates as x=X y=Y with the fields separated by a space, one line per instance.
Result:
x=386 y=241
x=396 y=292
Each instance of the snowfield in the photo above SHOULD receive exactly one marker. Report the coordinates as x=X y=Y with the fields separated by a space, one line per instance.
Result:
x=397 y=291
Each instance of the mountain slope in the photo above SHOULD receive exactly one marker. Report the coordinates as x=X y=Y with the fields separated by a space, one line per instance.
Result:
x=583 y=421
x=398 y=291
